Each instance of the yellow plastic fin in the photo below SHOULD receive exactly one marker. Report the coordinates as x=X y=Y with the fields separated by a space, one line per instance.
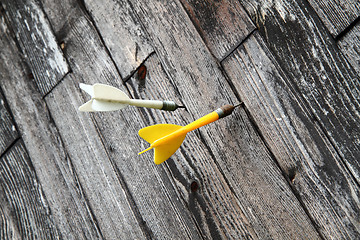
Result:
x=154 y=132
x=163 y=152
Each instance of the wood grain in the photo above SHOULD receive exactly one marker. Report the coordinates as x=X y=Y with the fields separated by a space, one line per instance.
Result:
x=66 y=200
x=337 y=15
x=37 y=43
x=315 y=68
x=234 y=156
x=223 y=25
x=22 y=199
x=311 y=164
x=122 y=34
x=350 y=46
x=158 y=209
x=8 y=131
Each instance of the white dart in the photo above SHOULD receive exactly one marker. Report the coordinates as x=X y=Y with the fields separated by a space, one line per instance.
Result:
x=108 y=98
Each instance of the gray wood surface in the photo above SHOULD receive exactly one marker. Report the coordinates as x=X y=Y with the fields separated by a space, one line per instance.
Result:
x=55 y=173
x=223 y=25
x=350 y=46
x=337 y=15
x=121 y=32
x=8 y=131
x=22 y=202
x=231 y=142
x=37 y=42
x=159 y=212
x=315 y=171
x=316 y=68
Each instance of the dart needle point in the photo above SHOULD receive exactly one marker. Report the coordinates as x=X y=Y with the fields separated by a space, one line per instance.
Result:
x=145 y=150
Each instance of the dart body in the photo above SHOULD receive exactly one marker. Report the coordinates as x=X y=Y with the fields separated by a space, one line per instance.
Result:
x=167 y=138
x=108 y=98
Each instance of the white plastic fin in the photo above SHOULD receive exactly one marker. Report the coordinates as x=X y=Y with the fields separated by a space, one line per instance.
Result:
x=106 y=92
x=104 y=106
x=87 y=107
x=87 y=88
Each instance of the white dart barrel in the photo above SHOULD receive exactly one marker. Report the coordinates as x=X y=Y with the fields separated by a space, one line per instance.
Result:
x=146 y=103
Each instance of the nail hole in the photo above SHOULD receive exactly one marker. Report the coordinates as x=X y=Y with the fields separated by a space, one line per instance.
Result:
x=30 y=75
x=62 y=45
x=141 y=74
x=194 y=186
x=292 y=175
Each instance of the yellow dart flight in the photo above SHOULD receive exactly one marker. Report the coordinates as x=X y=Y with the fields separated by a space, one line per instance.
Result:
x=167 y=138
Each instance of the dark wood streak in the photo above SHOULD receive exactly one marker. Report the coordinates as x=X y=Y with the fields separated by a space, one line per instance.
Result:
x=8 y=131
x=349 y=44
x=37 y=43
x=223 y=25
x=315 y=68
x=337 y=15
x=314 y=169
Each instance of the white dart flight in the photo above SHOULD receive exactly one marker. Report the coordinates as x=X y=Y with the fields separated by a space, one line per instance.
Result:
x=108 y=98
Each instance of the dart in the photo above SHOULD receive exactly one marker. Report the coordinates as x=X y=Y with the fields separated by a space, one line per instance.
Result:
x=108 y=98
x=165 y=139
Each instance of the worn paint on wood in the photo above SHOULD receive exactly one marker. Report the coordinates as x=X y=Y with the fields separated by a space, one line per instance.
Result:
x=337 y=15
x=37 y=43
x=121 y=33
x=21 y=198
x=312 y=166
x=223 y=25
x=316 y=69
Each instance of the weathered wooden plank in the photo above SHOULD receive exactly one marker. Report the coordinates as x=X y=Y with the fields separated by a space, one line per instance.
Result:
x=311 y=164
x=337 y=15
x=159 y=211
x=8 y=131
x=350 y=46
x=223 y=25
x=22 y=197
x=8 y=229
x=122 y=34
x=234 y=156
x=316 y=67
x=37 y=42
x=54 y=169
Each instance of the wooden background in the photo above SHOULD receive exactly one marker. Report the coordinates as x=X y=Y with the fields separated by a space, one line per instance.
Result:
x=284 y=166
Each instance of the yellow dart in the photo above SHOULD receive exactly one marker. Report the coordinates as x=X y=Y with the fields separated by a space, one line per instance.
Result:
x=167 y=138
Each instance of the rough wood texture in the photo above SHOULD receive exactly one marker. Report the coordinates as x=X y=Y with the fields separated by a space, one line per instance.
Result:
x=316 y=69
x=37 y=43
x=337 y=15
x=234 y=152
x=313 y=167
x=223 y=25
x=54 y=169
x=350 y=46
x=21 y=198
x=151 y=197
x=121 y=32
x=8 y=132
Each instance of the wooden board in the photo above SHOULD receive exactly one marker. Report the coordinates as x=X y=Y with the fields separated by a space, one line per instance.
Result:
x=337 y=15
x=315 y=68
x=8 y=131
x=308 y=159
x=156 y=206
x=350 y=46
x=37 y=43
x=223 y=25
x=62 y=190
x=21 y=198
x=122 y=34
x=234 y=157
